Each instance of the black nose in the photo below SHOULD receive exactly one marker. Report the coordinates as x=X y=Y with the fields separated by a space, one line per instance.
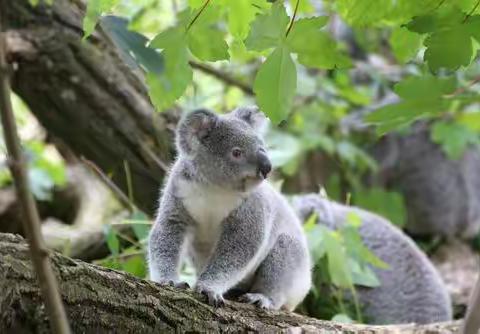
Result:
x=264 y=164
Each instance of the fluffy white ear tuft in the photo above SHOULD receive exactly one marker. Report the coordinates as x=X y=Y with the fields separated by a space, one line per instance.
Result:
x=253 y=116
x=193 y=128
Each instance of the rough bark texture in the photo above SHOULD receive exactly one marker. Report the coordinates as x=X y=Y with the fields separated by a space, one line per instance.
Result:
x=82 y=93
x=100 y=300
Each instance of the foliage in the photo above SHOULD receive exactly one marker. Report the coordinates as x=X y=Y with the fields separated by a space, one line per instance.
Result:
x=46 y=169
x=302 y=70
x=341 y=262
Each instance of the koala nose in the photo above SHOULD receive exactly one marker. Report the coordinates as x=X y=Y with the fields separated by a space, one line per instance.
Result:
x=264 y=164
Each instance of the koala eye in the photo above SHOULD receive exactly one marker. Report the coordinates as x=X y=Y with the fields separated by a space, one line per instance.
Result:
x=236 y=153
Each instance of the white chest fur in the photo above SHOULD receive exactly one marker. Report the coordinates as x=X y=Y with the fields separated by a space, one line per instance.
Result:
x=207 y=205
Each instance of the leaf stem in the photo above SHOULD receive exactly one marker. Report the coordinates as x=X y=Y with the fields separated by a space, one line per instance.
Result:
x=472 y=11
x=198 y=15
x=293 y=19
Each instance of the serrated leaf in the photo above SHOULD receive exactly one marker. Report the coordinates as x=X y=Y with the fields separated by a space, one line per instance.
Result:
x=268 y=30
x=207 y=43
x=315 y=48
x=405 y=44
x=132 y=45
x=241 y=14
x=363 y=275
x=363 y=12
x=454 y=138
x=275 y=84
x=95 y=8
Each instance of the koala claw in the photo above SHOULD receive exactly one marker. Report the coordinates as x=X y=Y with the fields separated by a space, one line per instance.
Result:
x=213 y=298
x=182 y=285
x=179 y=284
x=257 y=299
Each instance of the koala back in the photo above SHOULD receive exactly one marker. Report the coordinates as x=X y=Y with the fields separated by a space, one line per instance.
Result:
x=442 y=196
x=411 y=289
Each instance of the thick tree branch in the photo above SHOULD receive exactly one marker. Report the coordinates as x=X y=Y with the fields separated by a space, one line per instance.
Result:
x=84 y=94
x=100 y=300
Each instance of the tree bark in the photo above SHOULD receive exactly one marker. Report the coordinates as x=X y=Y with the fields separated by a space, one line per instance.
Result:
x=100 y=300
x=83 y=93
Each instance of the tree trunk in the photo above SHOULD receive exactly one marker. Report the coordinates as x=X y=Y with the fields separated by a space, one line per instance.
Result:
x=83 y=94
x=100 y=300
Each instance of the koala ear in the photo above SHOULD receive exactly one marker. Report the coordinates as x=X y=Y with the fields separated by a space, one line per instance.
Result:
x=194 y=127
x=252 y=116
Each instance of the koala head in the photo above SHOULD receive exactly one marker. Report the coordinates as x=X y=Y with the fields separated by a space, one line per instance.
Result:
x=225 y=150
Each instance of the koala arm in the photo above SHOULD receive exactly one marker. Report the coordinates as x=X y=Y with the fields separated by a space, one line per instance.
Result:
x=166 y=245
x=240 y=242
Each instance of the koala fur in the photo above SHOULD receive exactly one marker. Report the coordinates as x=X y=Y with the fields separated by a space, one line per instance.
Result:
x=217 y=211
x=411 y=289
x=442 y=196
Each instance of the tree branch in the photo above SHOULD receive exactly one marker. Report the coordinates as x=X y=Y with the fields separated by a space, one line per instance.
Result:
x=31 y=220
x=104 y=300
x=223 y=77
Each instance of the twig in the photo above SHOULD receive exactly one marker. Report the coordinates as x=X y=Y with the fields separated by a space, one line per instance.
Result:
x=293 y=18
x=109 y=183
x=198 y=15
x=223 y=77
x=462 y=90
x=31 y=220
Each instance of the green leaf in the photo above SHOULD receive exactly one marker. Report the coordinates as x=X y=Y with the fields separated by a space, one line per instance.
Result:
x=423 y=98
x=207 y=43
x=275 y=84
x=314 y=47
x=405 y=44
x=426 y=87
x=112 y=240
x=132 y=45
x=268 y=30
x=95 y=8
x=385 y=203
x=241 y=14
x=337 y=260
x=363 y=275
x=167 y=87
x=454 y=138
x=449 y=49
x=363 y=12
x=135 y=265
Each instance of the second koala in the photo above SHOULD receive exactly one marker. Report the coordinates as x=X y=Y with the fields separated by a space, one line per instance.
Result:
x=411 y=290
x=238 y=231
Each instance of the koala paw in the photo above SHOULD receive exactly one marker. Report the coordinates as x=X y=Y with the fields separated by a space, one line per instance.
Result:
x=257 y=299
x=179 y=284
x=213 y=298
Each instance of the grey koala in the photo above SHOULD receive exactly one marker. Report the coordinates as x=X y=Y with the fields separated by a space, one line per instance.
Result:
x=217 y=211
x=411 y=289
x=442 y=196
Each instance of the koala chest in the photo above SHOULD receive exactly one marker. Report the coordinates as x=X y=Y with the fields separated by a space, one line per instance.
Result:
x=208 y=206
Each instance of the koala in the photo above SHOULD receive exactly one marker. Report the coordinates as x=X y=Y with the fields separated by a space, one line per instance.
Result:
x=411 y=289
x=217 y=211
x=442 y=196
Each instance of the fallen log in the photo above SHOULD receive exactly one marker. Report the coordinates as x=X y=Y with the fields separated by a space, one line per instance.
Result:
x=100 y=300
